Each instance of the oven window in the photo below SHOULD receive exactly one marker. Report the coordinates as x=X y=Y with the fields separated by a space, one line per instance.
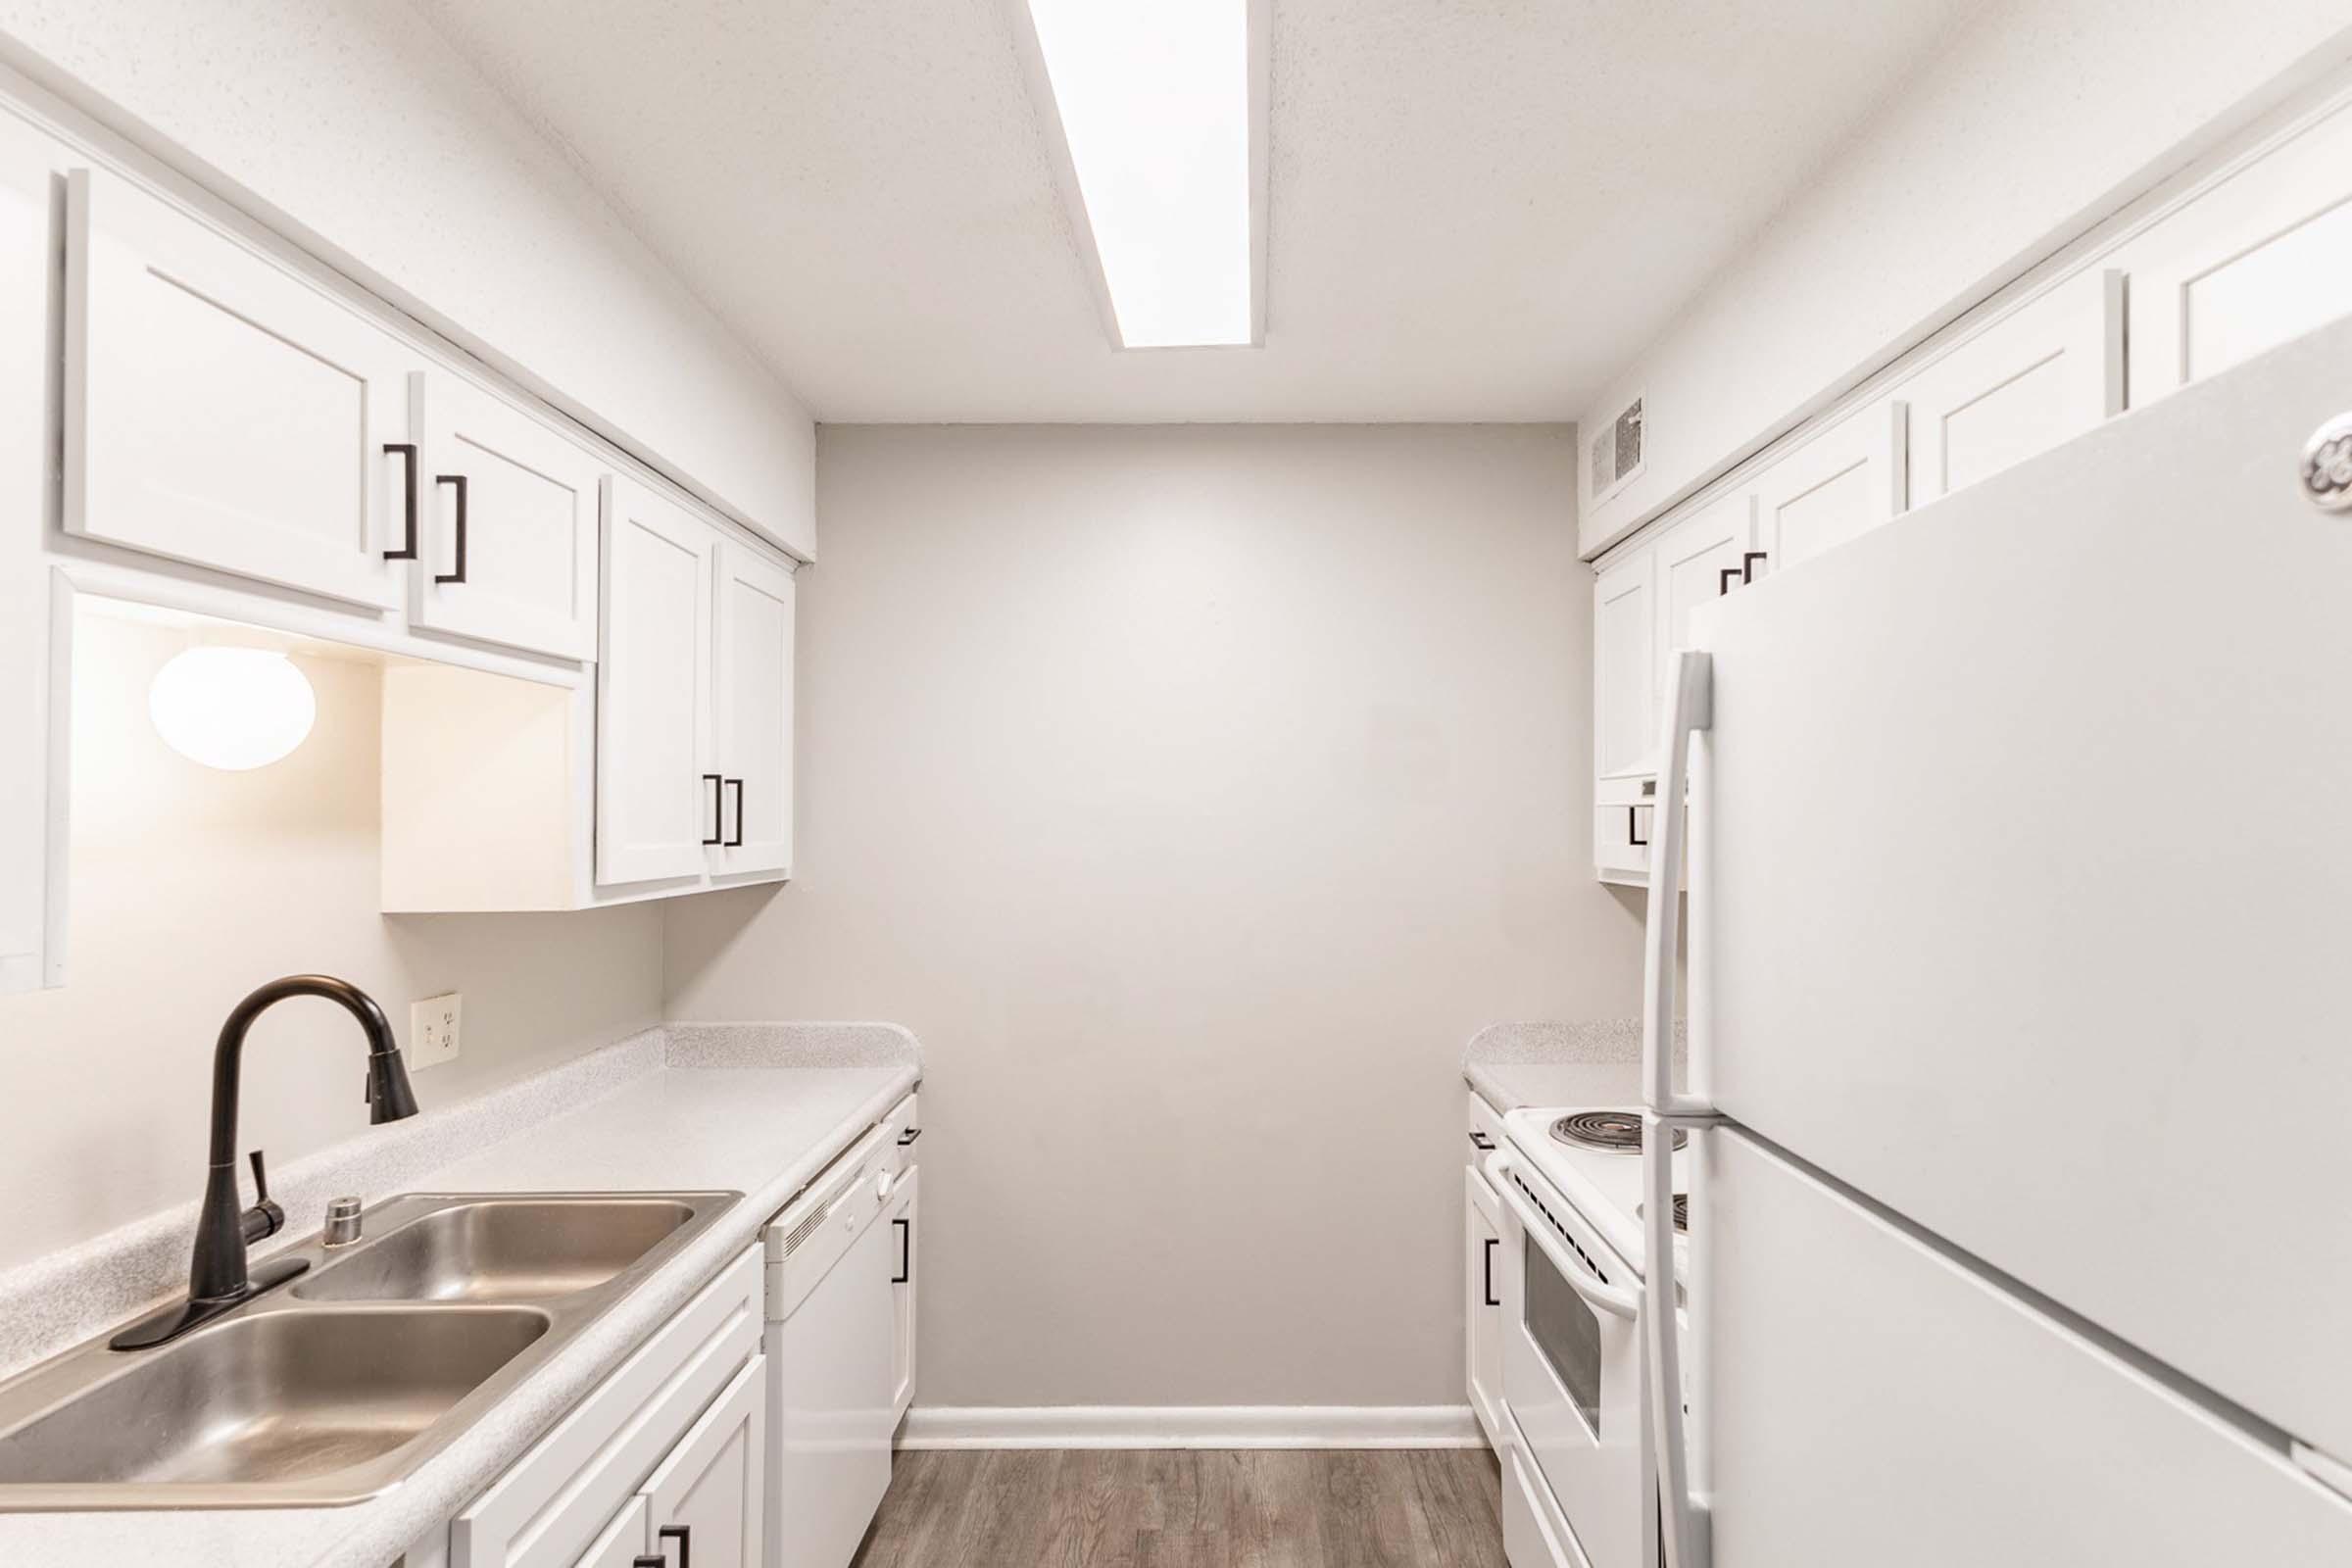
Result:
x=1566 y=1331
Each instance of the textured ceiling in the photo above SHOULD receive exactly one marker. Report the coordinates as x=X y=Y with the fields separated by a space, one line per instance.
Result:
x=1480 y=210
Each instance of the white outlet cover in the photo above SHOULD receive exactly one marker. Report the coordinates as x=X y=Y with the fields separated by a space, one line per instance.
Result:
x=434 y=1029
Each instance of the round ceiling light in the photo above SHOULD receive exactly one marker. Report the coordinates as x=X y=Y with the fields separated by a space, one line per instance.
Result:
x=232 y=708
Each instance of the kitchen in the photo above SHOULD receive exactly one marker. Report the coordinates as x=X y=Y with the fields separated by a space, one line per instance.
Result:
x=628 y=626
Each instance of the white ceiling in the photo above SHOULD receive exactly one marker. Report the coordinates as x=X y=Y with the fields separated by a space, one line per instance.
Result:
x=1481 y=209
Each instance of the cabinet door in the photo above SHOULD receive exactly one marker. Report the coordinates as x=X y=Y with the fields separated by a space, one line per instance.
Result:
x=2263 y=257
x=27 y=957
x=755 y=711
x=1700 y=560
x=220 y=409
x=902 y=1222
x=1625 y=667
x=622 y=1542
x=1621 y=841
x=509 y=548
x=1842 y=483
x=2043 y=374
x=1482 y=1308
x=657 y=795
x=706 y=1504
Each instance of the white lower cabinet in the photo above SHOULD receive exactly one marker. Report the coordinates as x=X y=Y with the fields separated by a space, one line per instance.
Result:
x=622 y=1544
x=904 y=1223
x=707 y=1499
x=1482 y=1303
x=675 y=1438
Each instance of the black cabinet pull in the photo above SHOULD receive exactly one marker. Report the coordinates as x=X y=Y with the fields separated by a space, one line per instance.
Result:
x=718 y=812
x=1725 y=579
x=909 y=1136
x=736 y=842
x=683 y=1534
x=1632 y=828
x=1479 y=1141
x=406 y=450
x=1488 y=1291
x=906 y=1251
x=1747 y=564
x=647 y=1559
x=459 y=481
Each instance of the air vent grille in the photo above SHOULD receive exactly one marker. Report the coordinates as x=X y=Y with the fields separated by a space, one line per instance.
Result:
x=1616 y=451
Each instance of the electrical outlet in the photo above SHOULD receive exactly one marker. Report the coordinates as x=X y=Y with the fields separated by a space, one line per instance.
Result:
x=434 y=1029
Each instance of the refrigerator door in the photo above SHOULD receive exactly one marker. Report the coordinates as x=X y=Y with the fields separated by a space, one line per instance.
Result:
x=2021 y=879
x=1869 y=1402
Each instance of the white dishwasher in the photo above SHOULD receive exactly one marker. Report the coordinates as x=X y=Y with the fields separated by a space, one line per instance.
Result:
x=832 y=1351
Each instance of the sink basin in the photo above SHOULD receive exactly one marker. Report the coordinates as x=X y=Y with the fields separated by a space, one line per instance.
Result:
x=333 y=1388
x=499 y=1250
x=279 y=1396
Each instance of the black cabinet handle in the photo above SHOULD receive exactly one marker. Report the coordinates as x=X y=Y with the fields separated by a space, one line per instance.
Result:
x=459 y=481
x=683 y=1534
x=1725 y=579
x=407 y=450
x=718 y=812
x=736 y=842
x=1479 y=1141
x=1488 y=1291
x=1632 y=828
x=906 y=1251
x=647 y=1559
x=909 y=1136
x=1747 y=564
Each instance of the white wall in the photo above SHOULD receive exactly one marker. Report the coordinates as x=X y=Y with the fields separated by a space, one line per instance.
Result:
x=1193 y=793
x=2040 y=117
x=356 y=124
x=189 y=888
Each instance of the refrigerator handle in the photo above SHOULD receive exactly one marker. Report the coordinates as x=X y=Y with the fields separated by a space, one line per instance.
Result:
x=1684 y=1519
x=1689 y=705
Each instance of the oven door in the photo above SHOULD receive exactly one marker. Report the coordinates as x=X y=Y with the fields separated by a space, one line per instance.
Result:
x=1572 y=1364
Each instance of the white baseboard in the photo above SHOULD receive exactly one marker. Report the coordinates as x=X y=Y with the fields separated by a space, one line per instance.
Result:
x=1192 y=1425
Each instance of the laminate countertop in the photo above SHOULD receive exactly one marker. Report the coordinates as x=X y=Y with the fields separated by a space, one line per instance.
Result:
x=756 y=1109
x=1514 y=1066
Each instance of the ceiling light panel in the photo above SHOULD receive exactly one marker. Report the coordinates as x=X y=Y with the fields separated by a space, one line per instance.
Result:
x=1155 y=100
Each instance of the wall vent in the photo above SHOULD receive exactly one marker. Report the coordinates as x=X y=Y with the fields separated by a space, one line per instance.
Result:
x=1616 y=454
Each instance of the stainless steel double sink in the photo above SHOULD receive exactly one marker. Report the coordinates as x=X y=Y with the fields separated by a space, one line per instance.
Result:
x=334 y=1387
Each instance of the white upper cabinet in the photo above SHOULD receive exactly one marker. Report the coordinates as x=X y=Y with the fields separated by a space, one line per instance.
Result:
x=1700 y=559
x=754 y=700
x=1837 y=486
x=2043 y=374
x=220 y=409
x=1625 y=669
x=2261 y=258
x=659 y=800
x=507 y=540
x=27 y=957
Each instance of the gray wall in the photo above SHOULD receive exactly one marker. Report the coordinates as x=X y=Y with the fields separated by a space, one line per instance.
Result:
x=189 y=888
x=1194 y=792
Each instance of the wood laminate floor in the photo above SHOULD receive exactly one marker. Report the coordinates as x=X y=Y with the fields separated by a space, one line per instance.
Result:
x=1189 y=1508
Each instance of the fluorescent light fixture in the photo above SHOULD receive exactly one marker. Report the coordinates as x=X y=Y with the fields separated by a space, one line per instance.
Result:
x=231 y=709
x=1161 y=102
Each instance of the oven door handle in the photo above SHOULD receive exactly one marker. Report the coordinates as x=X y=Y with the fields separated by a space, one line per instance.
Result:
x=1601 y=1296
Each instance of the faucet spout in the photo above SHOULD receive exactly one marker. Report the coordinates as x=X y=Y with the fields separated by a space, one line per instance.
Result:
x=218 y=1276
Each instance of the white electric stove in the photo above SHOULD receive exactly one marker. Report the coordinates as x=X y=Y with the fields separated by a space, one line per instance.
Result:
x=1580 y=1490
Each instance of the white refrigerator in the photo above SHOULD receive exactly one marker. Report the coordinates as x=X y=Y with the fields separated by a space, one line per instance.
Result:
x=2020 y=987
